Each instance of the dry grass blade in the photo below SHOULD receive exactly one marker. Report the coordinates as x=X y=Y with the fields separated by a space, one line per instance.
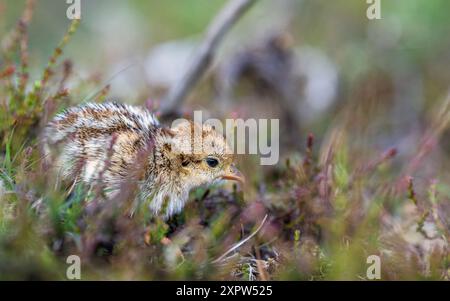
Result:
x=237 y=245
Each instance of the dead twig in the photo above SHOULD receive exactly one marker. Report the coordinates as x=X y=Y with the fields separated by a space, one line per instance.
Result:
x=227 y=17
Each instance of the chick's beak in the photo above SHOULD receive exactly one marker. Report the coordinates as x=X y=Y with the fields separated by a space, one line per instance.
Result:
x=234 y=175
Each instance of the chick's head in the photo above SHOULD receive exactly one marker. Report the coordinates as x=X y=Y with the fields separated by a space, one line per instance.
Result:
x=202 y=155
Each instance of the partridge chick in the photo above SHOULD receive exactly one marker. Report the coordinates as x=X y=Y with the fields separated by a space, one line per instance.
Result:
x=114 y=143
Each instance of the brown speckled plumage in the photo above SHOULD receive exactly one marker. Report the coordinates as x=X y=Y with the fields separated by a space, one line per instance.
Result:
x=115 y=143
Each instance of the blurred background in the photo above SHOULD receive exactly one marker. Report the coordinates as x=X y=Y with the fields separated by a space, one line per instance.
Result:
x=368 y=91
x=298 y=60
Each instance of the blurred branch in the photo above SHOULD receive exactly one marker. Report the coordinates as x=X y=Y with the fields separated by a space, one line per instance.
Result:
x=221 y=24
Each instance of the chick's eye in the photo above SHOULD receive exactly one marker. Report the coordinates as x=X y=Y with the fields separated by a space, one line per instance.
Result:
x=212 y=162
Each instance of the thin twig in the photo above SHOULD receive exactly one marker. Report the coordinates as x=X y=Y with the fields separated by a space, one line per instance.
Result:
x=227 y=17
x=241 y=242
